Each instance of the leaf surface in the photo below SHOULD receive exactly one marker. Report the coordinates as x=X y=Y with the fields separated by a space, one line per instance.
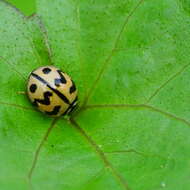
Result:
x=130 y=62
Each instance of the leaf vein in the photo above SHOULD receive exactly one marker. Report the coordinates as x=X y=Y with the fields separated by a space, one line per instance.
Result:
x=37 y=152
x=174 y=76
x=44 y=32
x=13 y=68
x=100 y=153
x=144 y=154
x=144 y=106
x=107 y=60
x=18 y=106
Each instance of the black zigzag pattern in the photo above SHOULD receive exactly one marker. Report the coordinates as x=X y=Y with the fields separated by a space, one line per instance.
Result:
x=45 y=101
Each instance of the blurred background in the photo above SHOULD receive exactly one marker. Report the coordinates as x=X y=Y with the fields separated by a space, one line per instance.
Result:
x=27 y=7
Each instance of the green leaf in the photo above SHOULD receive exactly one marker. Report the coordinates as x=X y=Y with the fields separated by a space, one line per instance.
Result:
x=130 y=61
x=27 y=8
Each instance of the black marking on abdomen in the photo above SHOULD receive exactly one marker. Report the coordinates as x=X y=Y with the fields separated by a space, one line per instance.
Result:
x=74 y=101
x=72 y=88
x=39 y=78
x=62 y=96
x=46 y=70
x=33 y=88
x=61 y=80
x=71 y=107
x=55 y=111
x=45 y=101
